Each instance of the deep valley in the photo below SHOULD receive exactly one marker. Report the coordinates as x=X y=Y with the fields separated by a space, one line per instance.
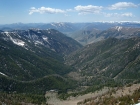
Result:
x=69 y=60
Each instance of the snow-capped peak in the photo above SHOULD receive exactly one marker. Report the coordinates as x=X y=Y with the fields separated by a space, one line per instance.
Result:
x=118 y=28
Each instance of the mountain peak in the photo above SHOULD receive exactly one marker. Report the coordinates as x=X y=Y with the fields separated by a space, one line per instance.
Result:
x=118 y=28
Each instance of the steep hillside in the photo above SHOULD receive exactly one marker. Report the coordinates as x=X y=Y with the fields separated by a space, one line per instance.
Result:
x=111 y=58
x=49 y=38
x=32 y=63
x=33 y=54
x=16 y=92
x=36 y=86
x=86 y=36
x=120 y=32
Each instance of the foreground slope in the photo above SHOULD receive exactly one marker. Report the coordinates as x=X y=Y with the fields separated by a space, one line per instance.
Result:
x=16 y=92
x=36 y=86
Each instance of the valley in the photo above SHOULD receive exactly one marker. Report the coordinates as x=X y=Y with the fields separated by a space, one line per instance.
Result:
x=77 y=60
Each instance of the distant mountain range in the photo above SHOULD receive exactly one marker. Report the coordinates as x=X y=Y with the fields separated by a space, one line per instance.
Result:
x=35 y=58
x=67 y=27
x=84 y=33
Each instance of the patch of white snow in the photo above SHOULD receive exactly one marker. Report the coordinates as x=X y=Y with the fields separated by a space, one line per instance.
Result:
x=2 y=74
x=15 y=41
x=7 y=33
x=38 y=42
x=18 y=42
x=46 y=39
x=53 y=25
x=118 y=28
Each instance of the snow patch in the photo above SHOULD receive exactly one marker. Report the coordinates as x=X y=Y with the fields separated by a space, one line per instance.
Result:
x=46 y=39
x=53 y=25
x=18 y=42
x=118 y=28
x=3 y=74
x=38 y=42
x=53 y=50
x=15 y=41
x=7 y=33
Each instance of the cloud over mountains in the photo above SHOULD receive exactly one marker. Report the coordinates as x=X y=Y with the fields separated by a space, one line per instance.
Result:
x=117 y=10
x=84 y=9
x=45 y=10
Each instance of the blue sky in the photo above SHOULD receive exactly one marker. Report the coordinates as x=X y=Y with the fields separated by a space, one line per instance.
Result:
x=46 y=11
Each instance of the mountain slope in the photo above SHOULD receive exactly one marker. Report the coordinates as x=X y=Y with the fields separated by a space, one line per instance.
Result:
x=37 y=86
x=31 y=92
x=32 y=63
x=111 y=58
x=49 y=38
x=32 y=54
x=94 y=35
x=86 y=36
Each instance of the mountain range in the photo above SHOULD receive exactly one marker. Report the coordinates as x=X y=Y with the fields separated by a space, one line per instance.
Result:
x=35 y=60
x=31 y=57
x=67 y=27
x=117 y=59
x=84 y=33
x=94 y=35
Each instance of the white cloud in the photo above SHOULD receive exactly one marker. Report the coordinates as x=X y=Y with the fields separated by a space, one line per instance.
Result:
x=45 y=10
x=119 y=14
x=88 y=9
x=127 y=15
x=122 y=5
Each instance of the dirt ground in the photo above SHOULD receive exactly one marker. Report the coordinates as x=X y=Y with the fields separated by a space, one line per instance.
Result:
x=127 y=90
x=53 y=100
